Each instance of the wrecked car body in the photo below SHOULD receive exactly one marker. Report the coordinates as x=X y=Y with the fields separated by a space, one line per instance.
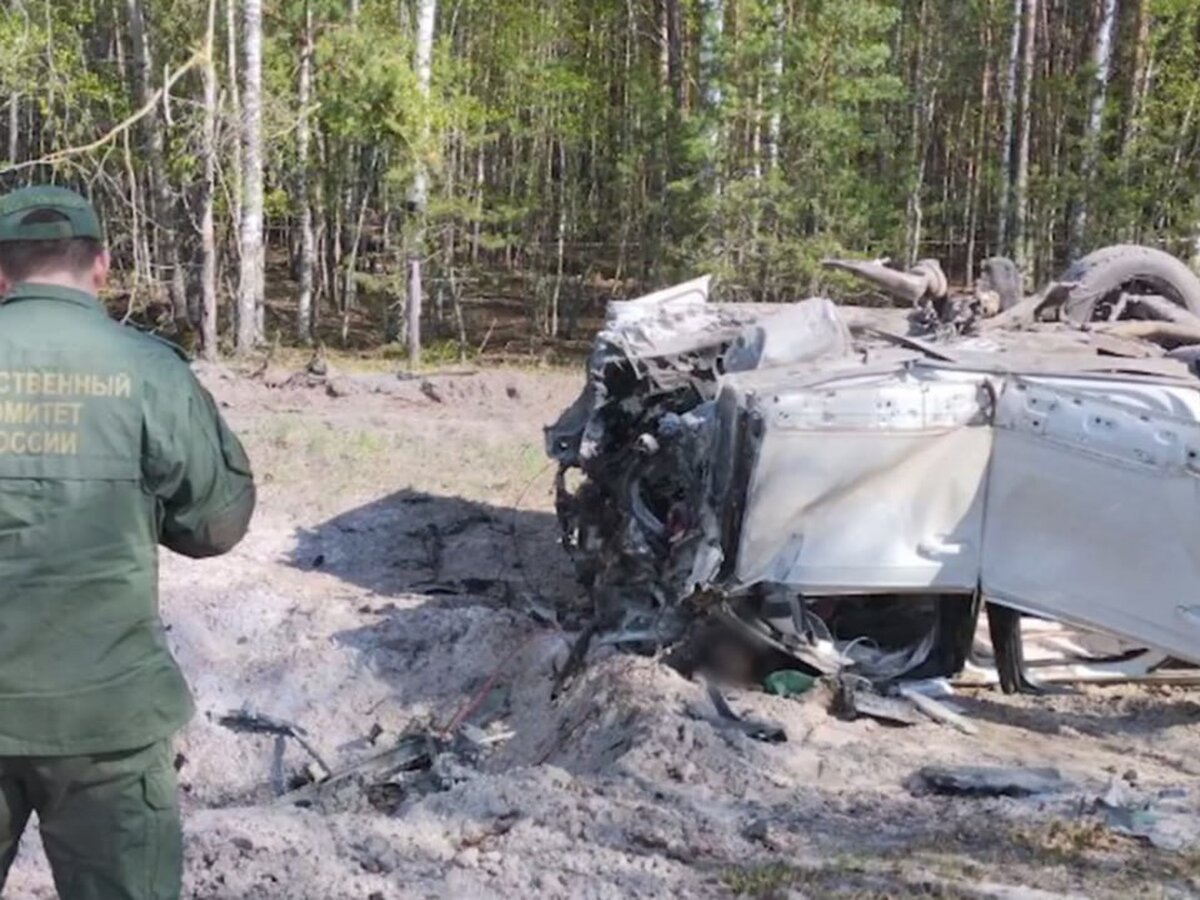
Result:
x=853 y=487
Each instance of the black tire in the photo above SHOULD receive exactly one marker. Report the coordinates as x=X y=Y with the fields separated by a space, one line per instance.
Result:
x=1105 y=271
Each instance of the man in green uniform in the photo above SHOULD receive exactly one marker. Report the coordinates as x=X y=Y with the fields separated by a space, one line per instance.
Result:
x=108 y=448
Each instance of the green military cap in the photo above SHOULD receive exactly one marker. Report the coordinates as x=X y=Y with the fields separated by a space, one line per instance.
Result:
x=19 y=219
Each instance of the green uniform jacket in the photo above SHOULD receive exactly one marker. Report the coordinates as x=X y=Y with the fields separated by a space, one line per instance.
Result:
x=108 y=447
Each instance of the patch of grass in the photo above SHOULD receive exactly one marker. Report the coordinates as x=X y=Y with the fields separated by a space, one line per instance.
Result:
x=949 y=866
x=1064 y=852
x=360 y=445
x=1156 y=867
x=760 y=881
x=435 y=356
x=439 y=354
x=494 y=469
x=849 y=878
x=1067 y=842
x=277 y=432
x=318 y=439
x=296 y=358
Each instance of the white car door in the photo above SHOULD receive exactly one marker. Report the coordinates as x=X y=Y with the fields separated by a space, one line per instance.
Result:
x=1093 y=508
x=869 y=483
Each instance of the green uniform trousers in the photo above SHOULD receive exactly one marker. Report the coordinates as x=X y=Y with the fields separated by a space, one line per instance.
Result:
x=109 y=822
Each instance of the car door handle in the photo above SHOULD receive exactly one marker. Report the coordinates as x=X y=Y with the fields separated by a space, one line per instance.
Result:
x=935 y=548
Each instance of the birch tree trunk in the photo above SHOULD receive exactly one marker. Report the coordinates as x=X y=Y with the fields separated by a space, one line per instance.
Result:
x=14 y=104
x=14 y=126
x=662 y=11
x=353 y=184
x=235 y=113
x=978 y=156
x=1025 y=123
x=419 y=193
x=304 y=308
x=1142 y=66
x=775 y=121
x=914 y=209
x=1139 y=86
x=250 y=287
x=1003 y=206
x=562 y=237
x=208 y=244
x=1101 y=66
x=712 y=32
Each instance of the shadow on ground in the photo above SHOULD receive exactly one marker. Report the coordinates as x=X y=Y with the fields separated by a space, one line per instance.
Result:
x=443 y=548
x=1138 y=716
x=451 y=588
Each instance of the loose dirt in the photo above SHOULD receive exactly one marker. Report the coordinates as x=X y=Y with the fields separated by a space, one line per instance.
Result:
x=404 y=569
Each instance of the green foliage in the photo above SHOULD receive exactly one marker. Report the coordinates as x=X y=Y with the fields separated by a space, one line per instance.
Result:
x=570 y=118
x=367 y=85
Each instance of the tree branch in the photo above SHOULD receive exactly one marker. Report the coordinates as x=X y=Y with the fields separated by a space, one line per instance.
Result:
x=112 y=134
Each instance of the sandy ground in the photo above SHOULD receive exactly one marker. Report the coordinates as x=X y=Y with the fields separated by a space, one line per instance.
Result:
x=403 y=564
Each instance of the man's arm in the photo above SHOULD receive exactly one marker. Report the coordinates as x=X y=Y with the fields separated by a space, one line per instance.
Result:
x=208 y=496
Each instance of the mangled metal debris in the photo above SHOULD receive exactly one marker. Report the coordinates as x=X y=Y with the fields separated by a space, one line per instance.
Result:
x=728 y=720
x=900 y=703
x=385 y=779
x=851 y=486
x=245 y=721
x=1164 y=819
x=854 y=697
x=992 y=781
x=935 y=709
x=420 y=762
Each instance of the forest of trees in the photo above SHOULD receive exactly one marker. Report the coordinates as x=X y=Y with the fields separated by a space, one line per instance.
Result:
x=351 y=158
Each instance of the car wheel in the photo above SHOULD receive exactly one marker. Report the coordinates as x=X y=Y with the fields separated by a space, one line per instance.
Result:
x=1097 y=280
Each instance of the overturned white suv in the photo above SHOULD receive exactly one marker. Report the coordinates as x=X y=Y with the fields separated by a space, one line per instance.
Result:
x=853 y=486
